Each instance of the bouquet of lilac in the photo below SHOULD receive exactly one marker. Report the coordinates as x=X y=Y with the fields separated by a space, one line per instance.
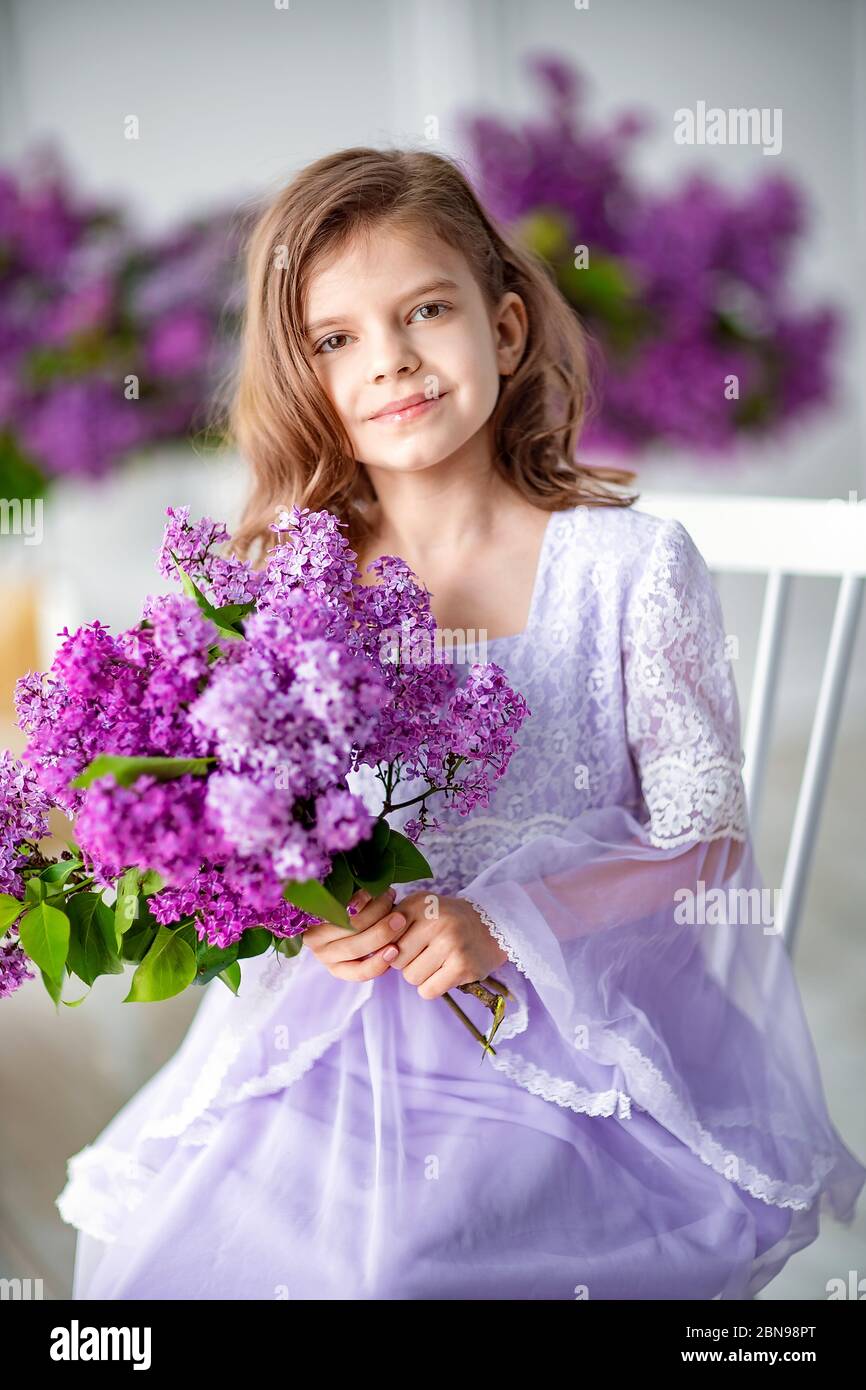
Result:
x=204 y=755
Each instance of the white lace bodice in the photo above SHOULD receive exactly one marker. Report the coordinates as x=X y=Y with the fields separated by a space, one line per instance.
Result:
x=633 y=702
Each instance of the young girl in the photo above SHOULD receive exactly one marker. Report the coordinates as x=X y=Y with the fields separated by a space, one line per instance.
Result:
x=653 y=1123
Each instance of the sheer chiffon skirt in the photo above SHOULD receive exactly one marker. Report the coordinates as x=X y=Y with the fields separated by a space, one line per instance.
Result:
x=399 y=1165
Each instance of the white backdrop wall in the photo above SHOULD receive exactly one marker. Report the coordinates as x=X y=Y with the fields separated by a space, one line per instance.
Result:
x=232 y=97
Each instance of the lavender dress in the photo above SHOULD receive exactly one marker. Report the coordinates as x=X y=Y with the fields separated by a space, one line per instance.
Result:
x=653 y=1124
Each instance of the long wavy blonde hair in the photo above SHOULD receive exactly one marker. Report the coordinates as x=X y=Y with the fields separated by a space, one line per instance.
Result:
x=275 y=411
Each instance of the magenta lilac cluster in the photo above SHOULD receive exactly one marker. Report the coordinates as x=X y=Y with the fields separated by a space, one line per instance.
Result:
x=323 y=673
x=24 y=808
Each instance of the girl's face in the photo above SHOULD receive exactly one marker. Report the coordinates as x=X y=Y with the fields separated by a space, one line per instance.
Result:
x=396 y=317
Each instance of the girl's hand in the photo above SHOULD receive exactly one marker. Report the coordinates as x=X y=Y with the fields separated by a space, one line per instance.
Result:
x=445 y=944
x=358 y=955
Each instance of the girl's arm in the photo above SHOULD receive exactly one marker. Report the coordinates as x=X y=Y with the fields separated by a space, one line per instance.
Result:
x=636 y=983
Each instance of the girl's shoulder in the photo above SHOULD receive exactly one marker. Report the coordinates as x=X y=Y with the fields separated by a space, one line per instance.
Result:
x=620 y=552
x=620 y=535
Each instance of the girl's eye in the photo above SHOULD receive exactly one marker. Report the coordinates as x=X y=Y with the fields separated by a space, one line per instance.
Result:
x=434 y=305
x=321 y=346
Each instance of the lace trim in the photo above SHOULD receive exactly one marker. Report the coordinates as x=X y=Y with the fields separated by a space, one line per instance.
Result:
x=694 y=798
x=92 y=1211
x=227 y=1045
x=518 y=954
x=671 y=1113
x=84 y=1205
x=285 y=1073
x=649 y=1090
x=529 y=827
x=682 y=711
x=565 y=1093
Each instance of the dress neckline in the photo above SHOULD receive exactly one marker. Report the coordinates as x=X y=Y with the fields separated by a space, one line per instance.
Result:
x=534 y=602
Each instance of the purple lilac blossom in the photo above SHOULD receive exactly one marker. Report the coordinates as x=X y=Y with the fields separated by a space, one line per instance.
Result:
x=693 y=285
x=14 y=964
x=86 y=305
x=24 y=808
x=313 y=685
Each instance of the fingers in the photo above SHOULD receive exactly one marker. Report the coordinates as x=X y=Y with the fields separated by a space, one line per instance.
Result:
x=357 y=955
x=360 y=970
x=448 y=976
x=369 y=910
x=423 y=962
x=389 y=928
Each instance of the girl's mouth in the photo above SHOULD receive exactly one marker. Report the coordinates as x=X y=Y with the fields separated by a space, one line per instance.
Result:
x=412 y=412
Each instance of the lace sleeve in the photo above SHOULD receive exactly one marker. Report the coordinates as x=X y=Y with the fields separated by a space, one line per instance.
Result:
x=642 y=951
x=682 y=713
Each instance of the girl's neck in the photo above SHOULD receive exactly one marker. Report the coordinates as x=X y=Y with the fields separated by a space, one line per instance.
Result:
x=446 y=522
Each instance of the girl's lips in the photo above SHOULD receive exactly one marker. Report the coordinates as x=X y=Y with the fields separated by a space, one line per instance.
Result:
x=411 y=412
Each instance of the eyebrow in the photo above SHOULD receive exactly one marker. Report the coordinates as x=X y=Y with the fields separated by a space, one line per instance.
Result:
x=443 y=284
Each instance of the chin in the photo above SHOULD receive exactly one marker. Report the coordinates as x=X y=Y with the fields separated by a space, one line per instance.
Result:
x=411 y=463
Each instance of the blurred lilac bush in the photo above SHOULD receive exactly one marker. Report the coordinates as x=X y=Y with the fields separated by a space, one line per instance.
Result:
x=86 y=304
x=682 y=289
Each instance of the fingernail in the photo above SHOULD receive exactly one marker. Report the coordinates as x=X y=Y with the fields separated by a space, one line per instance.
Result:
x=391 y=953
x=398 y=920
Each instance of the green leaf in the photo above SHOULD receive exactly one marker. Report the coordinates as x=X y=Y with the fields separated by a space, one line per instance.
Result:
x=125 y=771
x=73 y=1003
x=381 y=837
x=545 y=232
x=44 y=935
x=289 y=945
x=92 y=947
x=231 y=613
x=136 y=943
x=126 y=907
x=59 y=871
x=340 y=881
x=35 y=891
x=373 y=860
x=151 y=883
x=231 y=976
x=54 y=987
x=191 y=589
x=19 y=477
x=166 y=970
x=312 y=896
x=10 y=910
x=254 y=942
x=383 y=878
x=213 y=960
x=409 y=862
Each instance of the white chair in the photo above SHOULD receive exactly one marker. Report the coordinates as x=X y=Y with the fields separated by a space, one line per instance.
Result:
x=782 y=537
